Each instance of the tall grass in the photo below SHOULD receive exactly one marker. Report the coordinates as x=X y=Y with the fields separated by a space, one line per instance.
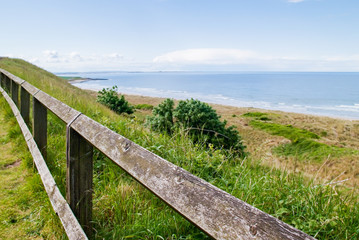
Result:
x=25 y=210
x=123 y=209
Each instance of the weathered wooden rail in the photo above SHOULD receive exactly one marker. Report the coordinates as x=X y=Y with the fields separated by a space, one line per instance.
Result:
x=217 y=213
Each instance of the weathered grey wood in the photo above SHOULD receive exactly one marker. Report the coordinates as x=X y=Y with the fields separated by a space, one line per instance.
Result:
x=216 y=212
x=15 y=92
x=62 y=209
x=79 y=178
x=25 y=105
x=11 y=76
x=39 y=125
x=64 y=112
x=1 y=80
x=29 y=88
x=7 y=84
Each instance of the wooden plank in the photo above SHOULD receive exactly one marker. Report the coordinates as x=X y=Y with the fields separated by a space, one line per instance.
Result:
x=79 y=178
x=40 y=125
x=11 y=76
x=7 y=84
x=216 y=212
x=29 y=88
x=219 y=214
x=25 y=105
x=1 y=80
x=62 y=209
x=60 y=109
x=15 y=92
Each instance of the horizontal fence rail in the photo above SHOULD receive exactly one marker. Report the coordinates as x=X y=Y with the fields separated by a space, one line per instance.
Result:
x=72 y=227
x=217 y=213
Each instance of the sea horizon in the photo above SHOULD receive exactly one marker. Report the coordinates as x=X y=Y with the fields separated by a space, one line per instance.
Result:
x=332 y=94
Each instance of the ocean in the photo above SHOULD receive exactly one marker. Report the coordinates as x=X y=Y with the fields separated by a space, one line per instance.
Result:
x=334 y=94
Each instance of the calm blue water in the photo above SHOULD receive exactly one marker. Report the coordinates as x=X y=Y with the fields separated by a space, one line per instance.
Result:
x=329 y=94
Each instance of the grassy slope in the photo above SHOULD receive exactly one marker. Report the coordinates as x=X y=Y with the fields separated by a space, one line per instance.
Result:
x=124 y=209
x=23 y=202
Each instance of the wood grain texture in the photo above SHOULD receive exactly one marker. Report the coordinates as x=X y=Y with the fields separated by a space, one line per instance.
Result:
x=25 y=105
x=2 y=80
x=7 y=84
x=12 y=76
x=62 y=209
x=29 y=88
x=39 y=125
x=79 y=178
x=60 y=109
x=15 y=93
x=219 y=214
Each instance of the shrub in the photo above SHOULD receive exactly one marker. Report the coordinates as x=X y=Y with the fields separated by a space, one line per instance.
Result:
x=109 y=97
x=198 y=119
x=162 y=119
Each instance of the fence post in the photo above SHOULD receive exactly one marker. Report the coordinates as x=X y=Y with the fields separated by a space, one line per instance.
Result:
x=7 y=84
x=79 y=174
x=15 y=92
x=25 y=105
x=40 y=126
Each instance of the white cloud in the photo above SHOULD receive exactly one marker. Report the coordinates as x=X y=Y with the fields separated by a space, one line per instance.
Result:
x=75 y=61
x=75 y=56
x=51 y=54
x=246 y=60
x=342 y=58
x=201 y=59
x=206 y=56
x=114 y=56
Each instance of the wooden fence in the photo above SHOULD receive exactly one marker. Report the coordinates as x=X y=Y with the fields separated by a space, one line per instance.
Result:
x=217 y=213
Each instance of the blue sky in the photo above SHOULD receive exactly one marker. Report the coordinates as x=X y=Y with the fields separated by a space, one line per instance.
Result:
x=151 y=35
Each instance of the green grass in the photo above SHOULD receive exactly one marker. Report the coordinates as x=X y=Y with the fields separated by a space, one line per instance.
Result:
x=303 y=146
x=257 y=115
x=25 y=211
x=287 y=131
x=144 y=106
x=71 y=78
x=254 y=114
x=123 y=209
x=306 y=149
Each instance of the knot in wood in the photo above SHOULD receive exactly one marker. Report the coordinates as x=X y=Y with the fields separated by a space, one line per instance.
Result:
x=253 y=230
x=126 y=146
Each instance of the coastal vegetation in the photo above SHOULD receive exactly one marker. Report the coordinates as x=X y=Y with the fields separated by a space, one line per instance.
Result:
x=109 y=97
x=199 y=120
x=292 y=189
x=302 y=145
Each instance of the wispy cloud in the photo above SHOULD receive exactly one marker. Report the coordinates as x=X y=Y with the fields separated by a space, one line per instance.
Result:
x=206 y=56
x=51 y=55
x=236 y=59
x=58 y=61
x=201 y=59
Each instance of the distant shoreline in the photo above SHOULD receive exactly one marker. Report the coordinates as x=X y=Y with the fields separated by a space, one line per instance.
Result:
x=270 y=91
x=80 y=79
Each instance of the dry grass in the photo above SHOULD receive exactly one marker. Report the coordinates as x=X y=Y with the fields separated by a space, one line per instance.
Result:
x=335 y=132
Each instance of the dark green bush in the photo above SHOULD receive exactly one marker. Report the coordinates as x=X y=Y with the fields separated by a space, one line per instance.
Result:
x=162 y=117
x=109 y=97
x=199 y=119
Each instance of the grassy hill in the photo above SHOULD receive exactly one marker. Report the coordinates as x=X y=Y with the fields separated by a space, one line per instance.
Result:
x=124 y=209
